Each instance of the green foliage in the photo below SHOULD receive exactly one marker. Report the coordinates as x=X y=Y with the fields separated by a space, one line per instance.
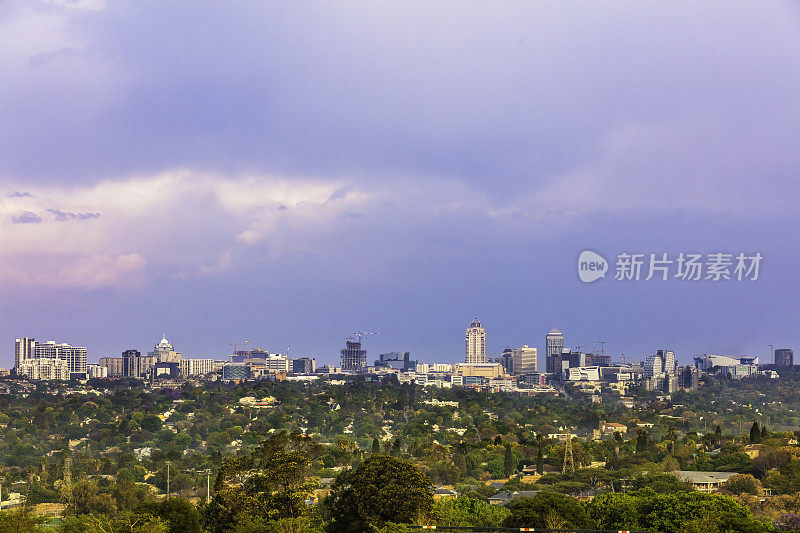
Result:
x=742 y=484
x=269 y=483
x=126 y=522
x=547 y=510
x=20 y=520
x=382 y=489
x=755 y=434
x=668 y=513
x=180 y=515
x=467 y=512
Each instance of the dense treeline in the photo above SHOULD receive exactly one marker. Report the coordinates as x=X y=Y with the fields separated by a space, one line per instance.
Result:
x=104 y=450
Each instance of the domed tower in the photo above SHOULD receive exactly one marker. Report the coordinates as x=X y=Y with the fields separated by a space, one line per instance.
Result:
x=476 y=343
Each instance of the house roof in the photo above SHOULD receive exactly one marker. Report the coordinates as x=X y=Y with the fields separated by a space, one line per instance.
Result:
x=700 y=478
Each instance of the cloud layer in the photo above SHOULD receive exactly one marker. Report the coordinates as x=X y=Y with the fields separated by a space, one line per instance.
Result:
x=315 y=154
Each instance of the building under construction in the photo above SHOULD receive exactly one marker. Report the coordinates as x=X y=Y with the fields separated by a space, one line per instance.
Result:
x=353 y=357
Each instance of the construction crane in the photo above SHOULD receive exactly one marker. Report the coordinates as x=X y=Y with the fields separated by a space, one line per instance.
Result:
x=601 y=343
x=359 y=334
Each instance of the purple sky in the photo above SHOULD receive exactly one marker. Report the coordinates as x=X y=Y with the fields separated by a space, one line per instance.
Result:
x=288 y=173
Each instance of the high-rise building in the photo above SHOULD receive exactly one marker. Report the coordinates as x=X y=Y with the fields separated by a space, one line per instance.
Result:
x=24 y=349
x=196 y=367
x=136 y=365
x=784 y=357
x=507 y=360
x=668 y=358
x=304 y=365
x=524 y=360
x=653 y=366
x=114 y=365
x=354 y=359
x=476 y=343
x=554 y=345
x=130 y=362
x=27 y=350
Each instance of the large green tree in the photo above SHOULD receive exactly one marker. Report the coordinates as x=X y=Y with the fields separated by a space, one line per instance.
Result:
x=270 y=482
x=382 y=489
x=547 y=510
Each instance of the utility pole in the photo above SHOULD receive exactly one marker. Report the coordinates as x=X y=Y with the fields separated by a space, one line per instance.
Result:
x=208 y=486
x=168 y=463
x=772 y=353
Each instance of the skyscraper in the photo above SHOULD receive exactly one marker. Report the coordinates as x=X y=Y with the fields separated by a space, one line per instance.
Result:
x=27 y=350
x=554 y=345
x=476 y=343
x=524 y=359
x=784 y=357
x=24 y=349
x=353 y=357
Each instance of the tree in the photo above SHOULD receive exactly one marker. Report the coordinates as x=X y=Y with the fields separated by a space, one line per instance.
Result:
x=269 y=482
x=742 y=484
x=21 y=520
x=717 y=433
x=179 y=514
x=376 y=446
x=547 y=510
x=755 y=434
x=539 y=461
x=382 y=489
x=668 y=513
x=509 y=462
x=467 y=512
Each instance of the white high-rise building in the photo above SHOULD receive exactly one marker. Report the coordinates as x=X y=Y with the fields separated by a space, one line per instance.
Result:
x=196 y=367
x=24 y=349
x=524 y=359
x=476 y=343
x=660 y=364
x=27 y=350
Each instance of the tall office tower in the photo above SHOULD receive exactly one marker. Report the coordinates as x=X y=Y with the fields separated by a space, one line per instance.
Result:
x=507 y=360
x=353 y=357
x=524 y=359
x=130 y=363
x=554 y=345
x=476 y=343
x=24 y=349
x=784 y=357
x=653 y=366
x=669 y=365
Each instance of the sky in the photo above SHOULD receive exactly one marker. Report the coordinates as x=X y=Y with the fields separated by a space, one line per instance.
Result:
x=288 y=173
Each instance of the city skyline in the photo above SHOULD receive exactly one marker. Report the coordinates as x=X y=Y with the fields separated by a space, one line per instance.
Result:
x=561 y=344
x=309 y=173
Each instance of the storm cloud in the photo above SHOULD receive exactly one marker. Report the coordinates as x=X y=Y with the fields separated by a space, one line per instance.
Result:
x=292 y=172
